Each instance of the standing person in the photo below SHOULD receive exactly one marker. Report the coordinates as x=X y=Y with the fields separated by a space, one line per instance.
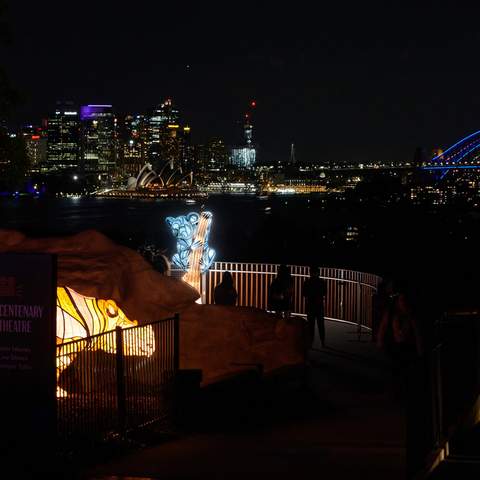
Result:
x=314 y=291
x=399 y=335
x=225 y=292
x=280 y=295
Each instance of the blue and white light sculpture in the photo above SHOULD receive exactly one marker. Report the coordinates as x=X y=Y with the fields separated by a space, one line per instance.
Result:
x=194 y=256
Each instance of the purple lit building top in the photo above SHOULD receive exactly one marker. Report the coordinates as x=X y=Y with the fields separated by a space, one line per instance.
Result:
x=88 y=112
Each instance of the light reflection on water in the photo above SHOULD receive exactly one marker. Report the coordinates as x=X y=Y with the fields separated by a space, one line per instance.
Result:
x=244 y=228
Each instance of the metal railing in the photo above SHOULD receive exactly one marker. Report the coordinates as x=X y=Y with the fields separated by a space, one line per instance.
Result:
x=118 y=380
x=349 y=293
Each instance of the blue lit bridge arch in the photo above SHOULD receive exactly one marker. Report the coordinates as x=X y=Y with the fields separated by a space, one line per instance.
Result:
x=463 y=154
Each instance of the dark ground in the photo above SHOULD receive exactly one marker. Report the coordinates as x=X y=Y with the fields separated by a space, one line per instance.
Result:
x=343 y=424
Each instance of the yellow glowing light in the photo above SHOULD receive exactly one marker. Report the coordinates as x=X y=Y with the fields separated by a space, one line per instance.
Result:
x=186 y=129
x=80 y=317
x=172 y=126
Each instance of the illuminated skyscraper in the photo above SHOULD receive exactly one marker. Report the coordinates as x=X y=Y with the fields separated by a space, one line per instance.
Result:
x=217 y=154
x=245 y=156
x=187 y=150
x=63 y=138
x=132 y=139
x=162 y=126
x=166 y=139
x=35 y=139
x=98 y=138
x=213 y=156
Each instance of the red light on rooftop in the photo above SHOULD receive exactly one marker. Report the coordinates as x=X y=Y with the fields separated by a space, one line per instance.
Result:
x=253 y=103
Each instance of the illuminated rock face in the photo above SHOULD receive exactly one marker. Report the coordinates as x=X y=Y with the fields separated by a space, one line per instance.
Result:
x=223 y=340
x=213 y=338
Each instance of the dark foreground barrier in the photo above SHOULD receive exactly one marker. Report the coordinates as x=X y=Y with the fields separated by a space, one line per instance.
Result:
x=118 y=381
x=445 y=401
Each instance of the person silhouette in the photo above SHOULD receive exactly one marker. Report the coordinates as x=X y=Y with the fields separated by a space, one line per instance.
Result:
x=280 y=295
x=400 y=337
x=225 y=292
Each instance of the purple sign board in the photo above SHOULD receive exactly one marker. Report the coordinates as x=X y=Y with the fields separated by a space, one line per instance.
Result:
x=27 y=351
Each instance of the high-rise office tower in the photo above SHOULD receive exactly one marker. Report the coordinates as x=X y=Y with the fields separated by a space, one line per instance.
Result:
x=99 y=131
x=162 y=134
x=132 y=145
x=245 y=156
x=187 y=150
x=216 y=157
x=35 y=139
x=63 y=138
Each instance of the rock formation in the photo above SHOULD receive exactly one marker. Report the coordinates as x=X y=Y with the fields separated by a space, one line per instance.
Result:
x=213 y=338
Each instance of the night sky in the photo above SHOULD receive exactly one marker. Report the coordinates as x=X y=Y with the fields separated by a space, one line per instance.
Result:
x=370 y=83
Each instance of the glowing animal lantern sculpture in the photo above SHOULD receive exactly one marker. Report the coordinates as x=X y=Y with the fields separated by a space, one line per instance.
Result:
x=193 y=253
x=81 y=317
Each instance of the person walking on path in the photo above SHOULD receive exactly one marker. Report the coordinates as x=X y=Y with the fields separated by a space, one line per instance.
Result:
x=314 y=291
x=280 y=295
x=225 y=292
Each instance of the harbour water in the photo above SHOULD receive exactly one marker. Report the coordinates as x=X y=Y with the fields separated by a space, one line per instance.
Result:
x=245 y=228
x=437 y=248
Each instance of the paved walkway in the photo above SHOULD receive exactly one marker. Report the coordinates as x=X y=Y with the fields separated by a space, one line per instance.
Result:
x=343 y=425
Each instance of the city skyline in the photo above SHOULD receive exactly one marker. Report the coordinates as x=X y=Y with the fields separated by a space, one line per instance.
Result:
x=250 y=231
x=242 y=130
x=341 y=88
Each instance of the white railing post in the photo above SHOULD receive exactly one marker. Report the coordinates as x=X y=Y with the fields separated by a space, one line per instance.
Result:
x=358 y=291
x=203 y=287
x=342 y=295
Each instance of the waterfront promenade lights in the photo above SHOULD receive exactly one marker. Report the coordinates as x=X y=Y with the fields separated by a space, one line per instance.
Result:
x=194 y=256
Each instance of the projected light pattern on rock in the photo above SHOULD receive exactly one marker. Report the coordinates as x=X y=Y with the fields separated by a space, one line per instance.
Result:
x=193 y=253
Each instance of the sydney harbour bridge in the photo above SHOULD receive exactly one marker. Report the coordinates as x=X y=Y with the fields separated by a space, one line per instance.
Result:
x=464 y=154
